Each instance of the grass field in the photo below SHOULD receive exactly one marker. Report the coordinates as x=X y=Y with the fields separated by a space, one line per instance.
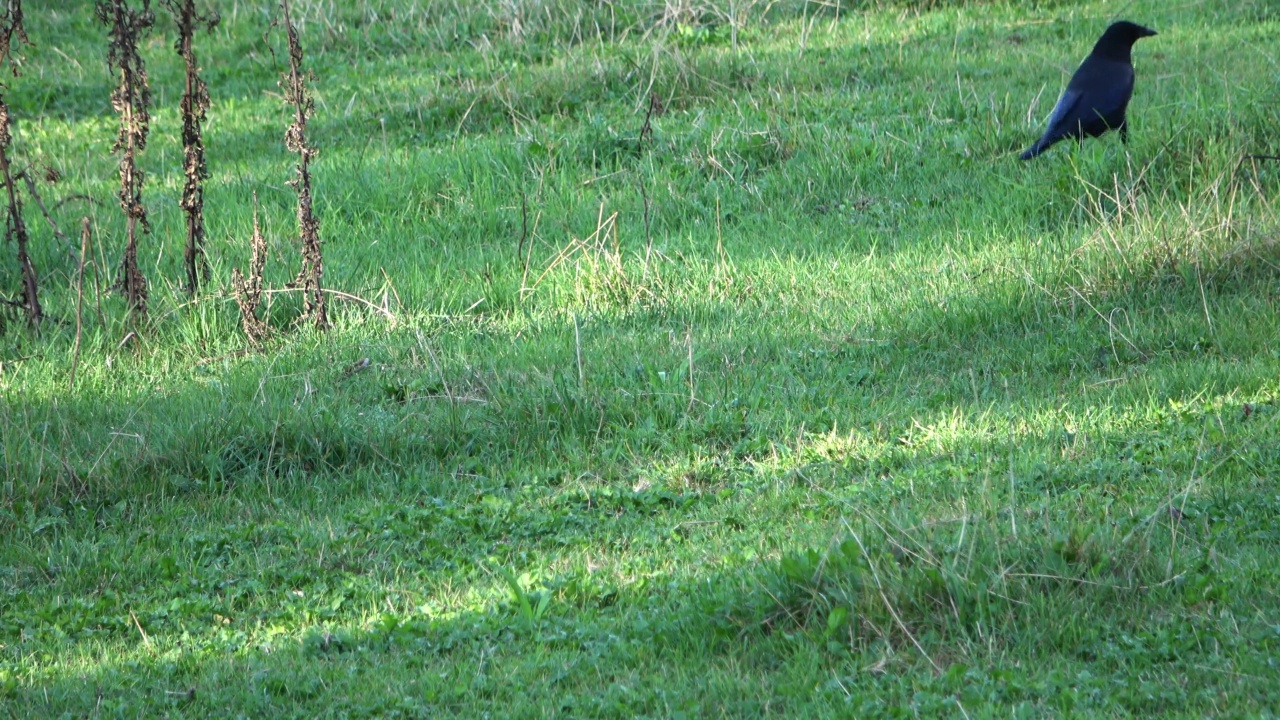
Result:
x=816 y=402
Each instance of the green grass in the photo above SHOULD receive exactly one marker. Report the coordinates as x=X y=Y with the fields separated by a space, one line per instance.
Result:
x=870 y=420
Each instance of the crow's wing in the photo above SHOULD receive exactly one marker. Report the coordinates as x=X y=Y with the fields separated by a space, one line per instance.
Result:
x=1105 y=88
x=1059 y=122
x=1065 y=114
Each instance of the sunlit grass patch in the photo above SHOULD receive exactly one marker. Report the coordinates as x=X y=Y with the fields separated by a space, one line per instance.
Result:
x=689 y=359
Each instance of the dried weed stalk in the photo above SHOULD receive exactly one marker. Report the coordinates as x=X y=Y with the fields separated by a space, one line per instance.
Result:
x=297 y=95
x=10 y=30
x=194 y=105
x=656 y=107
x=132 y=98
x=248 y=291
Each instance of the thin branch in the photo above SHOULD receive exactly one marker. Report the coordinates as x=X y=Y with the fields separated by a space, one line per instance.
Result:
x=34 y=191
x=84 y=251
x=342 y=295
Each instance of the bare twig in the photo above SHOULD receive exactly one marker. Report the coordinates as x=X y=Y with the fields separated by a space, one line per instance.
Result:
x=648 y=234
x=646 y=130
x=84 y=251
x=145 y=639
x=524 y=227
x=577 y=347
x=342 y=296
x=34 y=191
x=693 y=395
x=875 y=575
x=1111 y=325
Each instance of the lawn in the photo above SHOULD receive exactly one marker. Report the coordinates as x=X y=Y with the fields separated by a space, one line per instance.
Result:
x=688 y=359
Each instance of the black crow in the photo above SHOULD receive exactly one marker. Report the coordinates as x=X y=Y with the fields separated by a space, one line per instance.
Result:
x=1095 y=99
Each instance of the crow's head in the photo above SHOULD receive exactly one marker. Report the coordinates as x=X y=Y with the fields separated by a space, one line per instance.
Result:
x=1126 y=33
x=1118 y=40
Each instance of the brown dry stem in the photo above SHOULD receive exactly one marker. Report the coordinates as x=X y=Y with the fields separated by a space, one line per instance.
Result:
x=15 y=228
x=194 y=106
x=132 y=100
x=298 y=96
x=248 y=290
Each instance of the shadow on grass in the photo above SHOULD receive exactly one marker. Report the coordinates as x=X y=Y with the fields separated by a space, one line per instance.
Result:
x=461 y=396
x=1061 y=615
x=423 y=535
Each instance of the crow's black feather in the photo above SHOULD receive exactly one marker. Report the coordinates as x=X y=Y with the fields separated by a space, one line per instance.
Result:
x=1098 y=95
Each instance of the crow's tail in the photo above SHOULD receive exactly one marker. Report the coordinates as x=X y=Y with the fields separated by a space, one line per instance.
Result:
x=1034 y=150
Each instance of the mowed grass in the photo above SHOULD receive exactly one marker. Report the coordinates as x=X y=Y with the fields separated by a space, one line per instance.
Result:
x=815 y=403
